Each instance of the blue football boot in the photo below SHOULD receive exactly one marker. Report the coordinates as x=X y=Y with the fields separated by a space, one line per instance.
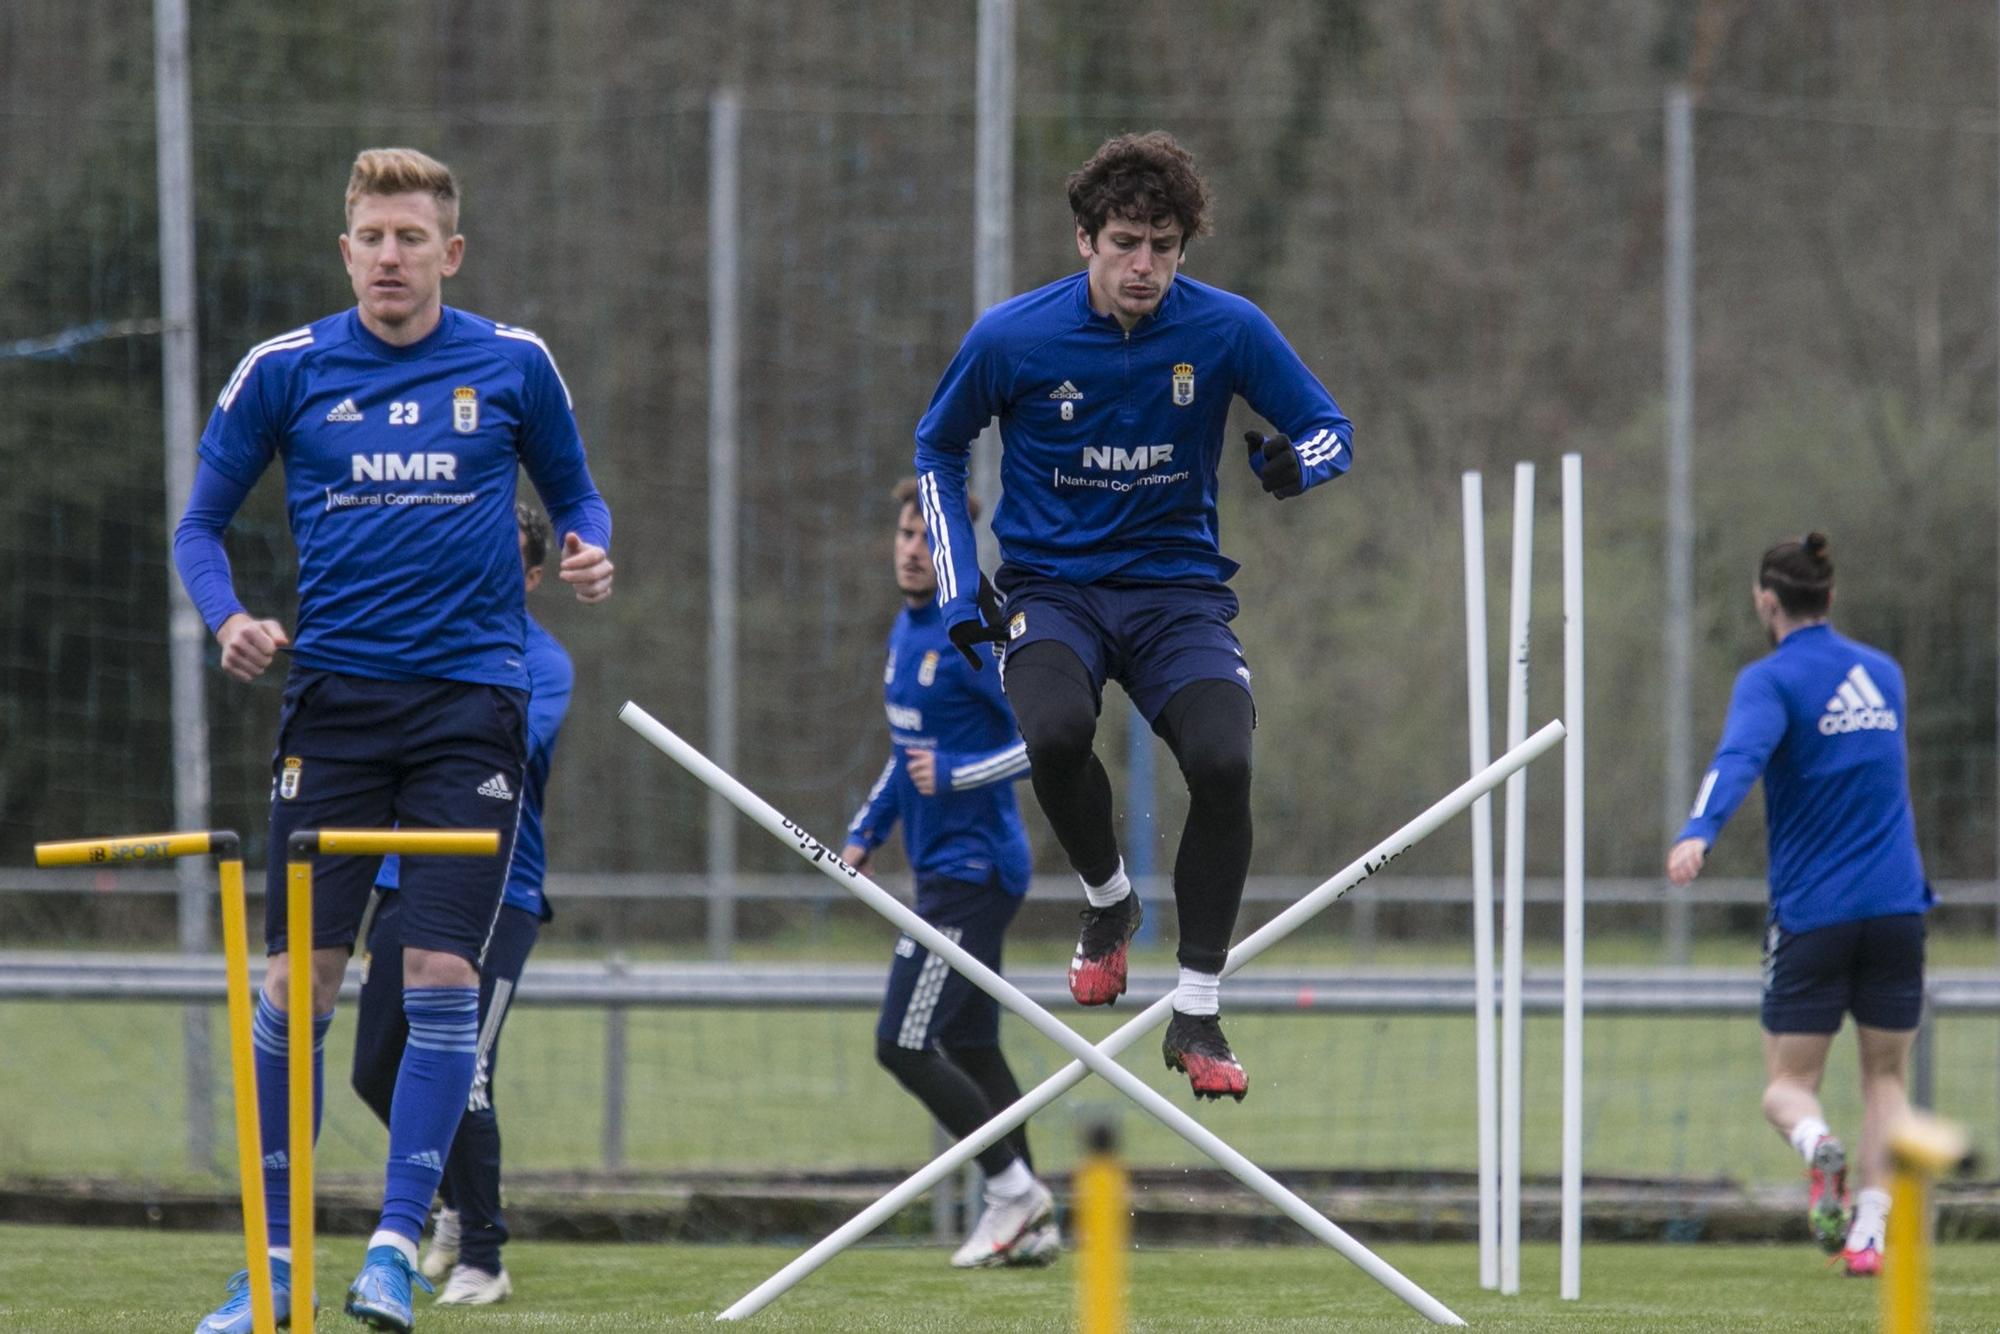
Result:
x=234 y=1315
x=380 y=1295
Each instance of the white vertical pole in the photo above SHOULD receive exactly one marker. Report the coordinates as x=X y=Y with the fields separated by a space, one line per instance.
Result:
x=1677 y=625
x=1480 y=725
x=1572 y=1012
x=1515 y=858
x=725 y=134
x=993 y=225
x=186 y=635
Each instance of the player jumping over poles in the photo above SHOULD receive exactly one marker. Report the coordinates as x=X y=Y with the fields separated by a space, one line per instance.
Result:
x=1112 y=388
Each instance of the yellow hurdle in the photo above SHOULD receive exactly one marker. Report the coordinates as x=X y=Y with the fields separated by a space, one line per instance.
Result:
x=303 y=846
x=1921 y=1148
x=1104 y=1233
x=236 y=956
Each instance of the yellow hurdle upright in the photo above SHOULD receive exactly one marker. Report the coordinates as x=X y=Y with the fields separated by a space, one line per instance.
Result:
x=228 y=853
x=1104 y=1231
x=303 y=846
x=1921 y=1148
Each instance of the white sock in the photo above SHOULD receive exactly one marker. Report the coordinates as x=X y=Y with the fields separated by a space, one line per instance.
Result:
x=1198 y=993
x=1111 y=891
x=384 y=1237
x=1871 y=1218
x=282 y=1253
x=1807 y=1134
x=1011 y=1183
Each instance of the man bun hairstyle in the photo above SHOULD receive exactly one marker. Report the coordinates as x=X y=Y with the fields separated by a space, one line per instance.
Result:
x=1800 y=572
x=401 y=171
x=905 y=493
x=1144 y=177
x=537 y=535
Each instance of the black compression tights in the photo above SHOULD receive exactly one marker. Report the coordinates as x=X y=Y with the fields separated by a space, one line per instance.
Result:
x=962 y=1087
x=1206 y=724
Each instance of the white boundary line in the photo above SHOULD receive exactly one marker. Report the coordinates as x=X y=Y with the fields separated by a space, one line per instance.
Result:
x=1097 y=1059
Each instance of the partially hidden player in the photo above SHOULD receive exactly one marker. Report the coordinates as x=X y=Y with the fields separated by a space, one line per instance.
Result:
x=401 y=425
x=469 y=1229
x=1821 y=721
x=1112 y=388
x=949 y=780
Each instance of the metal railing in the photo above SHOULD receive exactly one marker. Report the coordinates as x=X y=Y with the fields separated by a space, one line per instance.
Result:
x=617 y=986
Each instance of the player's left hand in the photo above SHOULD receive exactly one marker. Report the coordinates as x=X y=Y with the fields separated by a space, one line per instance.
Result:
x=1276 y=463
x=1685 y=861
x=922 y=768
x=585 y=568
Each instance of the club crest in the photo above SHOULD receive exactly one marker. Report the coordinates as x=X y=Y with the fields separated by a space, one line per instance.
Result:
x=465 y=409
x=1183 y=384
x=288 y=781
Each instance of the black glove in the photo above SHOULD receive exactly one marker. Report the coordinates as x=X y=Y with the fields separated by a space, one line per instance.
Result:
x=988 y=629
x=1276 y=463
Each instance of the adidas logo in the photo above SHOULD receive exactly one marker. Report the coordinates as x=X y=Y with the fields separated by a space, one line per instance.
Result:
x=346 y=412
x=1065 y=390
x=1857 y=707
x=429 y=1158
x=278 y=1161
x=496 y=788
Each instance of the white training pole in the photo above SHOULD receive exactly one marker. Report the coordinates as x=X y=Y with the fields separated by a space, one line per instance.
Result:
x=1480 y=730
x=1072 y=1074
x=815 y=852
x=1572 y=1078
x=1515 y=853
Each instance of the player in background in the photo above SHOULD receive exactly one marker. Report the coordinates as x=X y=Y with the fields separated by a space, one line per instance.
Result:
x=1113 y=388
x=1821 y=720
x=954 y=757
x=402 y=425
x=469 y=1232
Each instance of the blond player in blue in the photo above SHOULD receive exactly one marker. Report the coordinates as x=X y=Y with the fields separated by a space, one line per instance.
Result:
x=1821 y=721
x=401 y=425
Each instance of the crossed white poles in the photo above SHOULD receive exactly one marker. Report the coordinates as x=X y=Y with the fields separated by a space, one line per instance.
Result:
x=1098 y=1059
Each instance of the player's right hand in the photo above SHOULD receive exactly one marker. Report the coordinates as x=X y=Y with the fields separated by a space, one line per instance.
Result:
x=1684 y=862
x=249 y=645
x=988 y=629
x=856 y=856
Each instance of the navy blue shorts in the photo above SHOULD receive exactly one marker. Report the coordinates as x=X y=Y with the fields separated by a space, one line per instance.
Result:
x=1152 y=639
x=1873 y=968
x=929 y=1004
x=357 y=753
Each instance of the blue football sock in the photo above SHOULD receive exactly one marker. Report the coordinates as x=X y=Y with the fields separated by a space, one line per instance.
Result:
x=432 y=1085
x=271 y=1045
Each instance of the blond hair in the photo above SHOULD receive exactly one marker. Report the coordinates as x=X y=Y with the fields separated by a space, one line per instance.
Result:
x=396 y=171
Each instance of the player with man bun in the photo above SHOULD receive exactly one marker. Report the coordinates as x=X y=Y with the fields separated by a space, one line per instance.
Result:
x=1820 y=719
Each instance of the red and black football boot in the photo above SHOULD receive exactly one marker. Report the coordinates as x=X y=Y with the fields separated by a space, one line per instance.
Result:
x=1195 y=1046
x=1097 y=969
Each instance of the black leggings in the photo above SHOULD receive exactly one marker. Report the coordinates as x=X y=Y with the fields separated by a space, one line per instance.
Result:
x=1207 y=725
x=963 y=1087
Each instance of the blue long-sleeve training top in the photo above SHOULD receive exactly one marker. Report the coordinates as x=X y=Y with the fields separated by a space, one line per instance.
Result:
x=936 y=702
x=551 y=677
x=1112 y=440
x=1821 y=720
x=400 y=466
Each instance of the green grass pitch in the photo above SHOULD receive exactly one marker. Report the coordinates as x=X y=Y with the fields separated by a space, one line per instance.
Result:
x=68 y=1281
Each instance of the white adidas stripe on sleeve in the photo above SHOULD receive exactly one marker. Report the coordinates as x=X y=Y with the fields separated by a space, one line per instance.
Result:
x=296 y=338
x=529 y=336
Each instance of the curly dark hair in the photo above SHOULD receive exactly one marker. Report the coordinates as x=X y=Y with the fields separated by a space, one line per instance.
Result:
x=536 y=530
x=1145 y=177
